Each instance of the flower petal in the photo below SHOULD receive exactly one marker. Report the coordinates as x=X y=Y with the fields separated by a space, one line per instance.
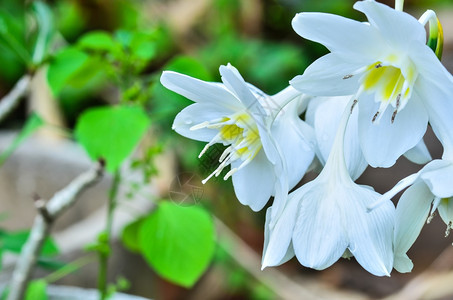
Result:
x=199 y=90
x=277 y=240
x=411 y=213
x=437 y=175
x=254 y=183
x=296 y=140
x=339 y=34
x=326 y=120
x=445 y=209
x=319 y=240
x=195 y=114
x=435 y=87
x=236 y=84
x=419 y=154
x=384 y=142
x=370 y=233
x=325 y=77
x=396 y=26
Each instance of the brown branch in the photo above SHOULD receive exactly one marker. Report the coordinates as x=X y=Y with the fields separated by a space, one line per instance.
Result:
x=48 y=213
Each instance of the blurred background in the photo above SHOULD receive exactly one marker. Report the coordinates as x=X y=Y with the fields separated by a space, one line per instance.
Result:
x=193 y=37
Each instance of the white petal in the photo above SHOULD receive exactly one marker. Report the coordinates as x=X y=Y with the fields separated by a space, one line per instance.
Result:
x=419 y=154
x=235 y=83
x=195 y=114
x=339 y=34
x=277 y=240
x=254 y=183
x=370 y=233
x=411 y=213
x=437 y=175
x=326 y=121
x=446 y=210
x=324 y=77
x=435 y=87
x=355 y=161
x=274 y=154
x=396 y=26
x=401 y=185
x=296 y=140
x=319 y=238
x=199 y=90
x=384 y=142
x=402 y=263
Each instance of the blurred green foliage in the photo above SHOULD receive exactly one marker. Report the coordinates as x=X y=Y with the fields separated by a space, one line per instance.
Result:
x=103 y=60
x=178 y=242
x=111 y=133
x=13 y=241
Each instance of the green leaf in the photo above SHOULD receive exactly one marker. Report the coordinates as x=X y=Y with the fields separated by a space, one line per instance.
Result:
x=13 y=241
x=143 y=46
x=130 y=233
x=178 y=242
x=189 y=66
x=111 y=133
x=33 y=123
x=46 y=30
x=1 y=258
x=97 y=41
x=63 y=66
x=12 y=35
x=36 y=290
x=124 y=37
x=49 y=263
x=72 y=19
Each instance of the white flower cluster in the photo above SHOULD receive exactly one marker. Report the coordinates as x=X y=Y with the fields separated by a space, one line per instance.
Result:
x=367 y=102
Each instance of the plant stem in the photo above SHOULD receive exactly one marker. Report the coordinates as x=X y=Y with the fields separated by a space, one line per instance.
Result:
x=69 y=268
x=48 y=213
x=10 y=101
x=104 y=240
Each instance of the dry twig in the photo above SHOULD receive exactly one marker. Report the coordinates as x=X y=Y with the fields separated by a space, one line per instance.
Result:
x=12 y=99
x=48 y=213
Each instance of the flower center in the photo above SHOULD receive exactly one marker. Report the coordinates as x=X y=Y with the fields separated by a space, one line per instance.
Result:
x=240 y=132
x=390 y=84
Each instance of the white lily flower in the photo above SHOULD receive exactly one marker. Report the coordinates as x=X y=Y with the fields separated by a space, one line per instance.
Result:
x=397 y=79
x=324 y=114
x=258 y=130
x=327 y=218
x=429 y=188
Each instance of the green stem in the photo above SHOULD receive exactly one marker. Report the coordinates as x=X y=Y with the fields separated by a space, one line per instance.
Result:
x=399 y=5
x=69 y=268
x=104 y=240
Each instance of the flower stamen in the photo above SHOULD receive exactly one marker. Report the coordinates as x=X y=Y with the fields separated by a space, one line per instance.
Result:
x=447 y=231
x=390 y=84
x=240 y=132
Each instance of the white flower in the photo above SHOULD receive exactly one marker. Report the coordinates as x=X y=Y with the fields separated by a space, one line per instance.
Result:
x=430 y=186
x=324 y=113
x=327 y=218
x=258 y=130
x=397 y=79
